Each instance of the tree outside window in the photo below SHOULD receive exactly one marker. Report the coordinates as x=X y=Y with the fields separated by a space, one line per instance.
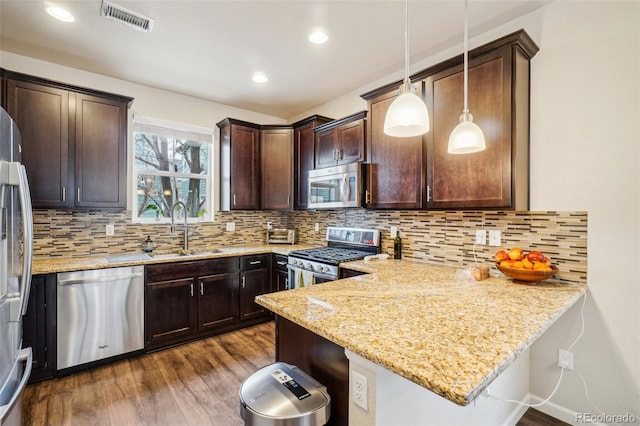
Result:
x=171 y=165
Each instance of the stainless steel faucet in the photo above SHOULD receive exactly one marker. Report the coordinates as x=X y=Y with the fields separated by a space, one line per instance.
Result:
x=173 y=226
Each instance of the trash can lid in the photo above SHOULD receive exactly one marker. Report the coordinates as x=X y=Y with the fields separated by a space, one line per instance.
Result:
x=283 y=391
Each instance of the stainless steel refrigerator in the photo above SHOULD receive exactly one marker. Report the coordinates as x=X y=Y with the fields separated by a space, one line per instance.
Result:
x=16 y=244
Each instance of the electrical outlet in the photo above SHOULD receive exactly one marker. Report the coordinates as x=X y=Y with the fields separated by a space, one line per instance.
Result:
x=110 y=230
x=494 y=237
x=316 y=227
x=394 y=231
x=565 y=359
x=481 y=237
x=231 y=226
x=269 y=225
x=359 y=390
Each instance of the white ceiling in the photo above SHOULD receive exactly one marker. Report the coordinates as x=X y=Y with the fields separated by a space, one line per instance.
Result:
x=210 y=49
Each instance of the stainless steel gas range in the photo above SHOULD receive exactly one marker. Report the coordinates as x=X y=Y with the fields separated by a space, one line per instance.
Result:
x=321 y=264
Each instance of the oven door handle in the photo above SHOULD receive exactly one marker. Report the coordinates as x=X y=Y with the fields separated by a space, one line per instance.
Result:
x=315 y=274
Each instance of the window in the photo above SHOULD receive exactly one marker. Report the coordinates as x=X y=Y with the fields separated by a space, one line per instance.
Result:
x=171 y=163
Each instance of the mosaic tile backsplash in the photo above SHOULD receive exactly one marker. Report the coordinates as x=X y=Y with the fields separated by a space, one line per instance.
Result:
x=434 y=237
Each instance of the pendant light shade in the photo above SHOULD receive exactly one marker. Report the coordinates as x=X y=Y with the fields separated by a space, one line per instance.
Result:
x=466 y=137
x=407 y=115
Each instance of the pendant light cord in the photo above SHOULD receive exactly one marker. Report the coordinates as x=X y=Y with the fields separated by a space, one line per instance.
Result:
x=466 y=60
x=406 y=41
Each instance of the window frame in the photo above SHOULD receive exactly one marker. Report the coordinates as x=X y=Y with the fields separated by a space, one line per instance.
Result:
x=207 y=136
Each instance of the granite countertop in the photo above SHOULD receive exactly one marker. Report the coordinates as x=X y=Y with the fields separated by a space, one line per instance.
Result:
x=53 y=264
x=448 y=333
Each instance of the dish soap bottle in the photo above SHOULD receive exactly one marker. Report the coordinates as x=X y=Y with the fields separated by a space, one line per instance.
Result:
x=397 y=246
x=148 y=248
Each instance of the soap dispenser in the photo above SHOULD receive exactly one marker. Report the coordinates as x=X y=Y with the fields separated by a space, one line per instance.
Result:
x=148 y=248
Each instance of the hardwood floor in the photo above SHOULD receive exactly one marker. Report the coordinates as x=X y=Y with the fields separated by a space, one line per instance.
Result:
x=193 y=384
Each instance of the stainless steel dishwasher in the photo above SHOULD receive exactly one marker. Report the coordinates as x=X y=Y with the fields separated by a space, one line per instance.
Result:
x=100 y=314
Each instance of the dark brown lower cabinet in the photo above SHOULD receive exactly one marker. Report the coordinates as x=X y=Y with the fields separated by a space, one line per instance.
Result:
x=280 y=273
x=190 y=300
x=39 y=326
x=321 y=359
x=255 y=279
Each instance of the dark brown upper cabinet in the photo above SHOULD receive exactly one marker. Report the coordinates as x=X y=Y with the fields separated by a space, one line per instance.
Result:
x=499 y=89
x=74 y=142
x=276 y=160
x=340 y=141
x=239 y=165
x=497 y=177
x=395 y=173
x=304 y=157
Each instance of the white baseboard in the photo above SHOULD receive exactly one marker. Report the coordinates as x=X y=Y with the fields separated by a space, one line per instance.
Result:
x=558 y=411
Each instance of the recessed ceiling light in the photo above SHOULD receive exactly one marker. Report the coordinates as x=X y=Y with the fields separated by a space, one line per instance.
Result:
x=318 y=37
x=259 y=77
x=59 y=13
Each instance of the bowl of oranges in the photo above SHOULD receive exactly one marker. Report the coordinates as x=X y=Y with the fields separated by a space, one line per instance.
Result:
x=524 y=267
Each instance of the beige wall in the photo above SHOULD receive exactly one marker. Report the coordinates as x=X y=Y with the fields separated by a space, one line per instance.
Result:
x=585 y=133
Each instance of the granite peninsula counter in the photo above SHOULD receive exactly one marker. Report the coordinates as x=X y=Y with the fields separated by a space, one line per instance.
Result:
x=450 y=335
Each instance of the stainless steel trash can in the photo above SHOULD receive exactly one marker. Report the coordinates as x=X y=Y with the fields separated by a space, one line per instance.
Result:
x=281 y=394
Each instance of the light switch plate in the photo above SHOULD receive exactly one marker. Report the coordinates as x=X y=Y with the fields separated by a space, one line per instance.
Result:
x=494 y=238
x=110 y=230
x=231 y=226
x=481 y=237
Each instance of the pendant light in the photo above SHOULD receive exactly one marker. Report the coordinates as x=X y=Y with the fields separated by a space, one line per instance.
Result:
x=407 y=115
x=467 y=137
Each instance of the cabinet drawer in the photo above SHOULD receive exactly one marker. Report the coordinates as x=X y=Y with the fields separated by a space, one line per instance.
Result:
x=259 y=261
x=177 y=270
x=280 y=262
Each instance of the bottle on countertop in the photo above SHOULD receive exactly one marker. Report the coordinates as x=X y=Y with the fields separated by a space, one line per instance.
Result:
x=148 y=248
x=397 y=246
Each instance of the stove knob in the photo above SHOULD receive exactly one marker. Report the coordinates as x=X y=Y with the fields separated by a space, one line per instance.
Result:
x=310 y=266
x=321 y=268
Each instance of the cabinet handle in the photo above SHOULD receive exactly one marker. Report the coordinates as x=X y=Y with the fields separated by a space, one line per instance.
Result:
x=243 y=281
x=234 y=199
x=281 y=263
x=286 y=283
x=367 y=198
x=428 y=193
x=255 y=262
x=64 y=194
x=201 y=288
x=288 y=199
x=340 y=154
x=191 y=289
x=78 y=198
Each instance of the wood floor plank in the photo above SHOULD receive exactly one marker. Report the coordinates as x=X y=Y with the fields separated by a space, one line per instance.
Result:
x=195 y=384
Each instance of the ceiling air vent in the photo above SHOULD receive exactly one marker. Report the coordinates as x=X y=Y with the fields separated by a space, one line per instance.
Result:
x=127 y=17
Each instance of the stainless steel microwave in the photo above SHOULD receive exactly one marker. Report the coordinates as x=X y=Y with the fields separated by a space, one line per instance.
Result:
x=335 y=187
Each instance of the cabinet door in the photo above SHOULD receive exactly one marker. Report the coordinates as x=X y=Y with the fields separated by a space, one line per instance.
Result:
x=252 y=284
x=276 y=158
x=39 y=326
x=42 y=115
x=350 y=138
x=100 y=152
x=170 y=311
x=395 y=175
x=326 y=148
x=304 y=146
x=245 y=168
x=481 y=179
x=218 y=301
